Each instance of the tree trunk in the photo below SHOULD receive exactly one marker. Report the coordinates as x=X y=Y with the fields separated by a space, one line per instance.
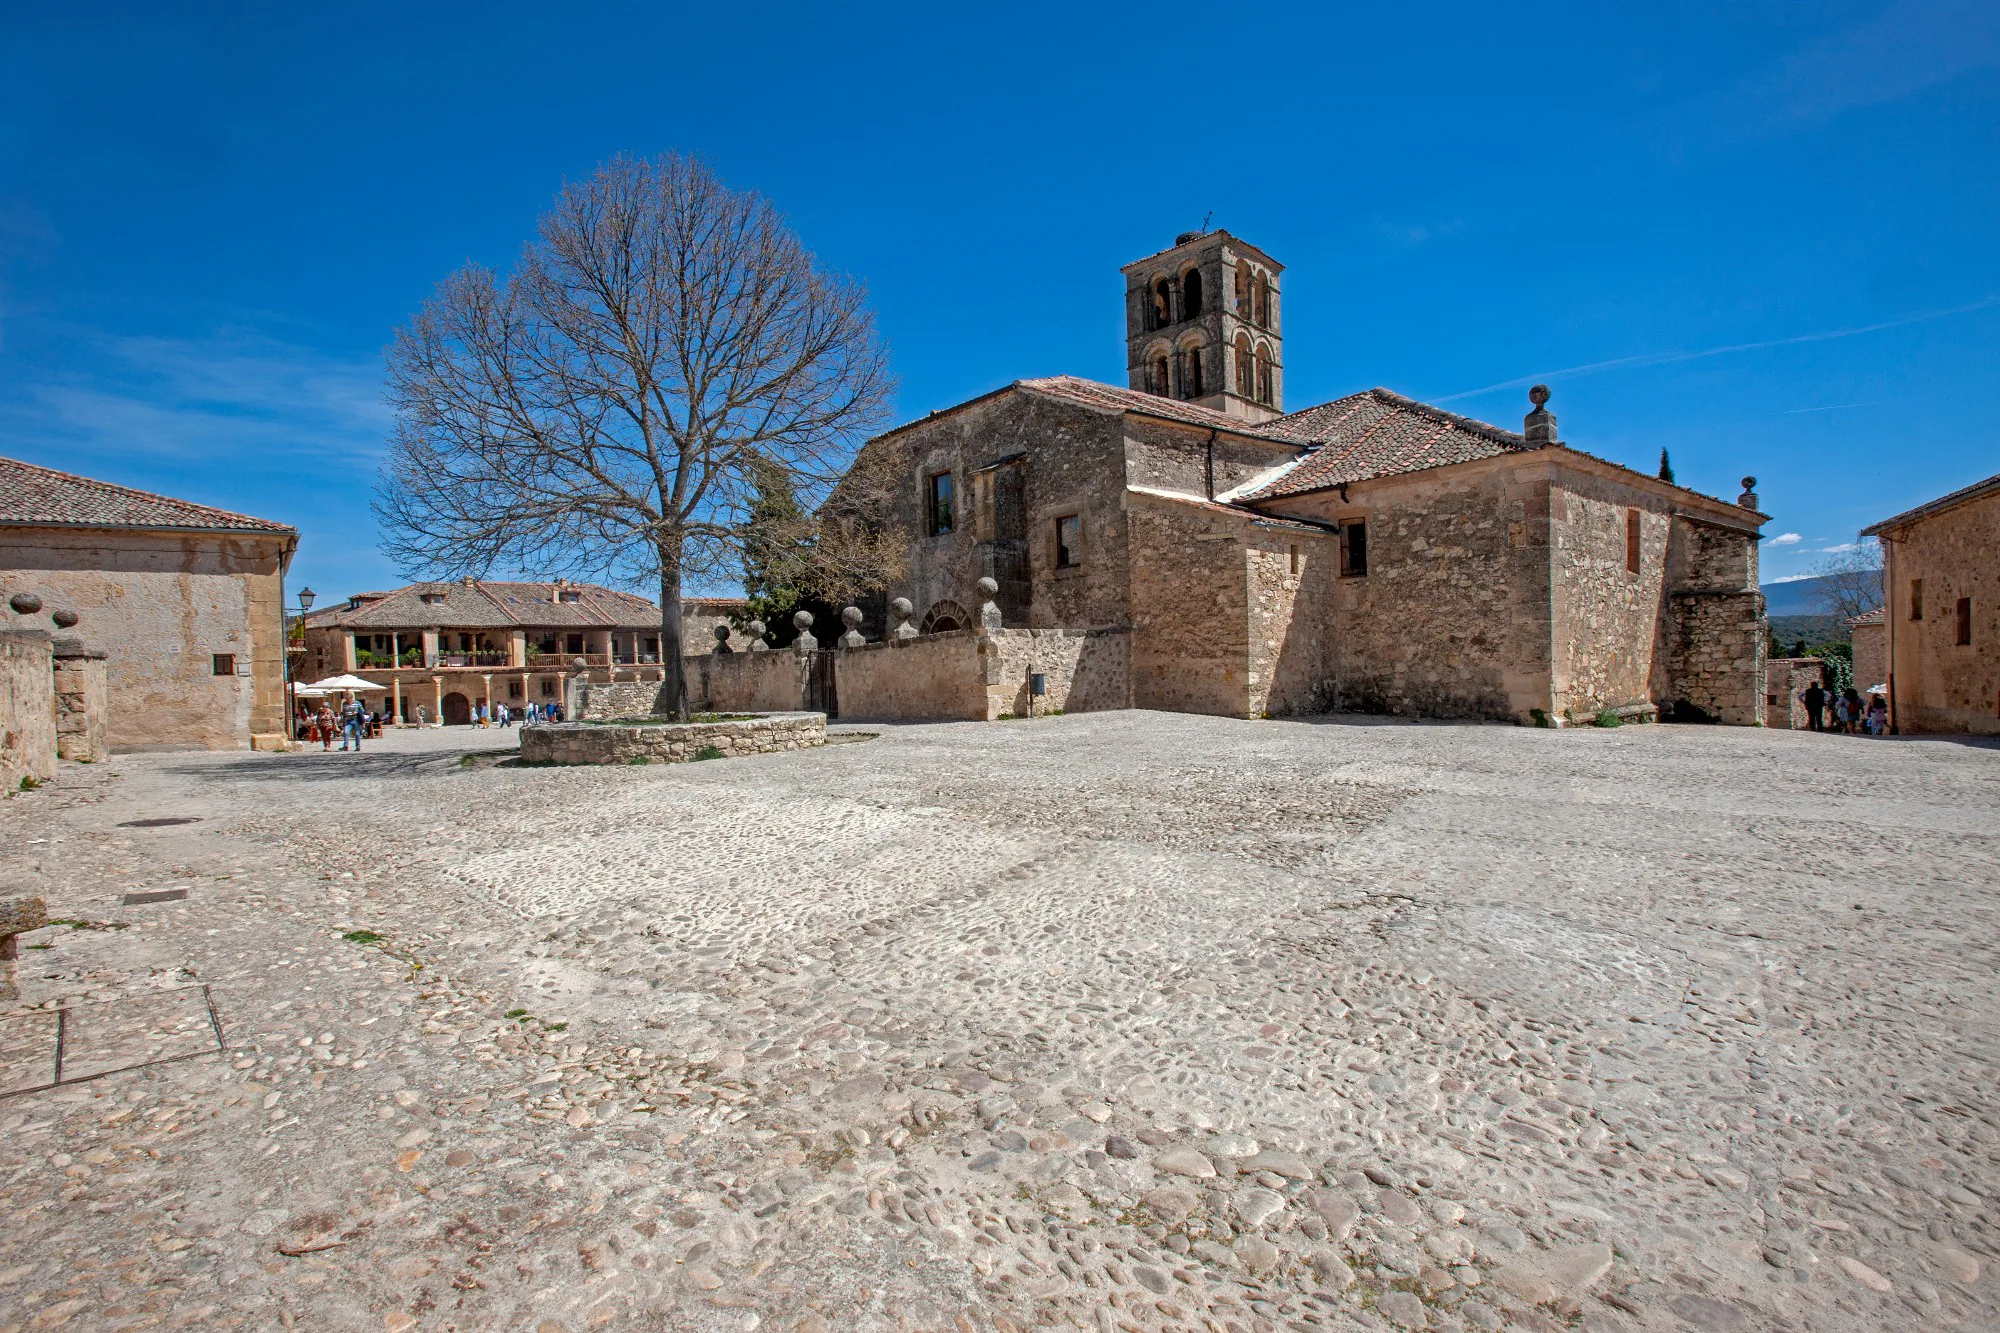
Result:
x=673 y=687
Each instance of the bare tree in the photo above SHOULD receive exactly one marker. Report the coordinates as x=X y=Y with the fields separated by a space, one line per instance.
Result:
x=607 y=409
x=1849 y=583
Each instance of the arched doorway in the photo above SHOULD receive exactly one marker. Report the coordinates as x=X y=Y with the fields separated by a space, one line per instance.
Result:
x=457 y=710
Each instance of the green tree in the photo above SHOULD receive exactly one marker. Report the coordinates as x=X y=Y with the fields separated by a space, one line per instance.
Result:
x=1666 y=468
x=777 y=552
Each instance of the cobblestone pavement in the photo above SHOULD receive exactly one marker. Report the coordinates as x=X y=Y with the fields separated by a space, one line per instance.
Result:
x=1114 y=1022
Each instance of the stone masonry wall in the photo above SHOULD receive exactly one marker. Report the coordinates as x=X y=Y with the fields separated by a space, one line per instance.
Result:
x=1715 y=657
x=668 y=743
x=1292 y=662
x=1190 y=613
x=1607 y=618
x=82 y=704
x=1083 y=671
x=742 y=682
x=27 y=721
x=1785 y=679
x=1941 y=684
x=1452 y=618
x=1173 y=457
x=165 y=605
x=1871 y=656
x=933 y=677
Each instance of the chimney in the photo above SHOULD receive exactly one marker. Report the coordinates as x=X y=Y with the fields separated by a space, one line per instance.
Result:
x=1540 y=424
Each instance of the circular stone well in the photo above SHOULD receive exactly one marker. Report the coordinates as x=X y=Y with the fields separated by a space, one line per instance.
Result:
x=669 y=742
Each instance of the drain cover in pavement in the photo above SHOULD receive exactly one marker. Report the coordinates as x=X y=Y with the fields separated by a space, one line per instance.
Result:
x=157 y=896
x=161 y=822
x=42 y=1048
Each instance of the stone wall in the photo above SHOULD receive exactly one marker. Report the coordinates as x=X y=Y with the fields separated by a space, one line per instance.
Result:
x=1293 y=669
x=27 y=721
x=594 y=700
x=1785 y=679
x=1871 y=655
x=1453 y=617
x=1190 y=611
x=668 y=743
x=744 y=682
x=82 y=703
x=1172 y=457
x=933 y=677
x=1607 y=621
x=1715 y=657
x=165 y=605
x=1942 y=685
x=1083 y=671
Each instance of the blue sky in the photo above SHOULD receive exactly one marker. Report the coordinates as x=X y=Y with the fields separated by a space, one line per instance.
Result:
x=1763 y=236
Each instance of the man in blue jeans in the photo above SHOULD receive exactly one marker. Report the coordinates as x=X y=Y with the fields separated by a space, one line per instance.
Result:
x=351 y=724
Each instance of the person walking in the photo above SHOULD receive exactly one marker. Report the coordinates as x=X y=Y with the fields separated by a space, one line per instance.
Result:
x=1853 y=710
x=1815 y=701
x=352 y=723
x=1878 y=715
x=323 y=726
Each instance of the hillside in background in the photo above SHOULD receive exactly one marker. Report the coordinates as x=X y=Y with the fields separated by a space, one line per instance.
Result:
x=1796 y=597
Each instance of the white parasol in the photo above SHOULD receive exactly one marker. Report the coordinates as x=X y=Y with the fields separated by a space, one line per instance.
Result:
x=336 y=684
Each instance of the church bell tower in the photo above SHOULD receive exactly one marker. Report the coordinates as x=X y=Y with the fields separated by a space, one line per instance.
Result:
x=1202 y=325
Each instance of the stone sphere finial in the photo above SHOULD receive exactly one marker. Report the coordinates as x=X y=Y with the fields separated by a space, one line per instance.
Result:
x=902 y=607
x=722 y=633
x=1749 y=483
x=1539 y=395
x=755 y=629
x=578 y=664
x=850 y=616
x=802 y=620
x=65 y=618
x=987 y=586
x=25 y=603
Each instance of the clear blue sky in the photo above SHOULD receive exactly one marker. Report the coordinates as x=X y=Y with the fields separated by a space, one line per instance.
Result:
x=1765 y=236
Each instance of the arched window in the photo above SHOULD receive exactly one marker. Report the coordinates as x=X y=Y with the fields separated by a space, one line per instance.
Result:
x=1191 y=294
x=944 y=617
x=1243 y=291
x=1163 y=303
x=1163 y=384
x=1264 y=394
x=1191 y=378
x=1246 y=367
x=1263 y=301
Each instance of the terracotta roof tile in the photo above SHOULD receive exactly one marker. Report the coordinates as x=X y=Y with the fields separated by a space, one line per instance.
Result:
x=1867 y=618
x=1951 y=501
x=1378 y=433
x=32 y=496
x=493 y=604
x=1111 y=398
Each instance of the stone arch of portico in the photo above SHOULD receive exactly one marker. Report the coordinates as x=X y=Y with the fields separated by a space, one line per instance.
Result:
x=945 y=615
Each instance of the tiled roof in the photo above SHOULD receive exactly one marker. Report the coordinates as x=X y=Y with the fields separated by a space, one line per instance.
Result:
x=1867 y=618
x=33 y=496
x=1378 y=433
x=487 y=604
x=1937 y=506
x=1111 y=398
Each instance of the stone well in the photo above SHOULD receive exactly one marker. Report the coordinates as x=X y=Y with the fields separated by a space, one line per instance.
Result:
x=668 y=742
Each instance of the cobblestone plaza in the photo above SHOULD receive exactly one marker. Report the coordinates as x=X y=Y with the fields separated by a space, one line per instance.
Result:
x=1110 y=1021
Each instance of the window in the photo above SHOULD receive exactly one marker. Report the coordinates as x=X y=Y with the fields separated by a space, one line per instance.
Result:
x=1916 y=599
x=1295 y=559
x=515 y=690
x=548 y=689
x=1632 y=541
x=1191 y=384
x=1163 y=303
x=223 y=664
x=431 y=598
x=1264 y=391
x=1263 y=301
x=1191 y=294
x=1243 y=291
x=1069 y=542
x=1246 y=367
x=575 y=644
x=1162 y=382
x=1964 y=621
x=937 y=504
x=570 y=595
x=1353 y=548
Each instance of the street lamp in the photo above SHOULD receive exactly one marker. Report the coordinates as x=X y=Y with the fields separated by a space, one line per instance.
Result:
x=291 y=672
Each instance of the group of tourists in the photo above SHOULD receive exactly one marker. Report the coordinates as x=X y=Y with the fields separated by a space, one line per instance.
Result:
x=1845 y=712
x=505 y=716
x=350 y=724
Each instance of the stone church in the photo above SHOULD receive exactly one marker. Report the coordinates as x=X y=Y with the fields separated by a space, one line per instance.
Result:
x=1368 y=554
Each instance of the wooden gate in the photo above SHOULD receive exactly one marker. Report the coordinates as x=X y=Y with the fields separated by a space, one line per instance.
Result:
x=822 y=692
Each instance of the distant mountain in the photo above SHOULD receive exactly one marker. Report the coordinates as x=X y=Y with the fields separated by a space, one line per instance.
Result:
x=1796 y=597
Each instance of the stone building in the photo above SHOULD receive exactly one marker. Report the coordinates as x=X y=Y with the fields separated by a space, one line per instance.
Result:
x=449 y=647
x=1371 y=553
x=1941 y=612
x=1868 y=633
x=185 y=600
